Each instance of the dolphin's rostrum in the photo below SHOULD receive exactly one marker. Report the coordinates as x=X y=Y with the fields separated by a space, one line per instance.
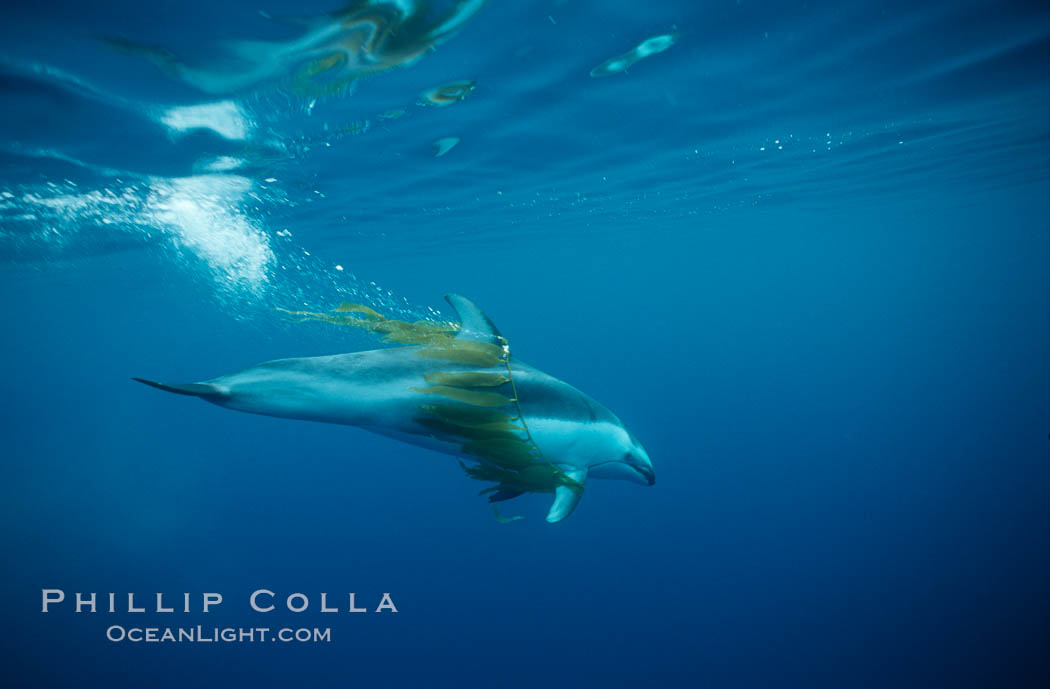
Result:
x=455 y=389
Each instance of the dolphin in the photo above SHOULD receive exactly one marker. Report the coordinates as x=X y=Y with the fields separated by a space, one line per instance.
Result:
x=456 y=389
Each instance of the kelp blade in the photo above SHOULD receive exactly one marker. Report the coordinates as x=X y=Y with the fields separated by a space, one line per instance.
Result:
x=478 y=399
x=402 y=332
x=465 y=415
x=470 y=379
x=480 y=354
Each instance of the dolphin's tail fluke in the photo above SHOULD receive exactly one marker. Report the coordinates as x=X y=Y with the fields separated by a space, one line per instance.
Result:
x=205 y=390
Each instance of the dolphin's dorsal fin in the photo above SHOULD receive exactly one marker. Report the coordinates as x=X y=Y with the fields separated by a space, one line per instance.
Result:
x=473 y=323
x=566 y=496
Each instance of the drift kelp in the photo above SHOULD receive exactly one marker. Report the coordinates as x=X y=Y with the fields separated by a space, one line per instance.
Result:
x=482 y=414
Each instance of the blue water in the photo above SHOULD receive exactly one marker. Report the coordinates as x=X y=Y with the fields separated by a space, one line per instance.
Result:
x=803 y=253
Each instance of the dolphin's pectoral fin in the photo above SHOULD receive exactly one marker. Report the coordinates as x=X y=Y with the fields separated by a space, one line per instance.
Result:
x=473 y=323
x=567 y=495
x=205 y=390
x=565 y=500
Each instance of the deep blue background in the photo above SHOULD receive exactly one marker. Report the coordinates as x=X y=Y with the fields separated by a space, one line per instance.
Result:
x=837 y=358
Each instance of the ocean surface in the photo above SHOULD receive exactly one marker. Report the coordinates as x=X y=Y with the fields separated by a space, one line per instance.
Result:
x=801 y=249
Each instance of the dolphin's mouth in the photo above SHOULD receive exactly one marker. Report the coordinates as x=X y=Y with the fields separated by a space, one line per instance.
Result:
x=624 y=471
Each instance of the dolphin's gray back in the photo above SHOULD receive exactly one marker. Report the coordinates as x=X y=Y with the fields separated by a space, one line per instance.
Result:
x=543 y=396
